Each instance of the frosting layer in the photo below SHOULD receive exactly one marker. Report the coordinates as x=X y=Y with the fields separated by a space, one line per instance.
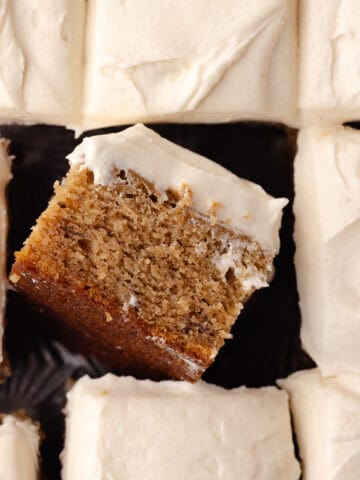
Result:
x=327 y=236
x=329 y=61
x=19 y=449
x=41 y=55
x=119 y=427
x=4 y=179
x=326 y=414
x=240 y=204
x=205 y=62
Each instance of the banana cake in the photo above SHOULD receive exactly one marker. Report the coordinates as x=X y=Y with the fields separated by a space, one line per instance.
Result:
x=147 y=253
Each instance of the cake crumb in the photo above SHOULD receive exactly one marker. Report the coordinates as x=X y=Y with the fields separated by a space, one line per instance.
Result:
x=200 y=249
x=108 y=317
x=14 y=277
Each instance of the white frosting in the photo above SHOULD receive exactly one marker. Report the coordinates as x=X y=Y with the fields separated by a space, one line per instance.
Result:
x=41 y=54
x=19 y=449
x=242 y=204
x=327 y=235
x=326 y=414
x=198 y=62
x=119 y=427
x=231 y=259
x=4 y=179
x=134 y=302
x=329 y=61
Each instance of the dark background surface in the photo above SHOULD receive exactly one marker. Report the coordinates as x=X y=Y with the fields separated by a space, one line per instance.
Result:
x=266 y=342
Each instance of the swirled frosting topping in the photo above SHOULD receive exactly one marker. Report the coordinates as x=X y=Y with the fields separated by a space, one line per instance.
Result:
x=211 y=61
x=19 y=449
x=240 y=433
x=326 y=413
x=329 y=61
x=327 y=235
x=41 y=45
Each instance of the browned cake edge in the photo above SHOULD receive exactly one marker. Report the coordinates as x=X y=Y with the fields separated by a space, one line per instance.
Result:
x=116 y=336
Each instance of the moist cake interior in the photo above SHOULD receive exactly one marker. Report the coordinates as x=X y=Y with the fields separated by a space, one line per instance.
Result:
x=134 y=249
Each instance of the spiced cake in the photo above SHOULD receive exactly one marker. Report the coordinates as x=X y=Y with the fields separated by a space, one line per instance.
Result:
x=203 y=62
x=326 y=414
x=119 y=427
x=327 y=237
x=147 y=253
x=19 y=448
x=5 y=176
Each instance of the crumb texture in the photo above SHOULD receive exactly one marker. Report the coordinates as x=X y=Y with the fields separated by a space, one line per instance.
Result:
x=130 y=247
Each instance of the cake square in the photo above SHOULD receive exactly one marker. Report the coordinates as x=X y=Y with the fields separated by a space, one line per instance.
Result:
x=329 y=61
x=147 y=254
x=41 y=56
x=326 y=414
x=201 y=63
x=327 y=237
x=19 y=449
x=5 y=177
x=119 y=427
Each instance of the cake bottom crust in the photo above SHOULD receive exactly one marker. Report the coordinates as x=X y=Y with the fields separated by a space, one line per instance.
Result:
x=117 y=337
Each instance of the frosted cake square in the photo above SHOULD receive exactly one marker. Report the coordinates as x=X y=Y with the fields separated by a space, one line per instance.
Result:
x=329 y=58
x=327 y=237
x=202 y=62
x=41 y=45
x=120 y=427
x=326 y=413
x=19 y=448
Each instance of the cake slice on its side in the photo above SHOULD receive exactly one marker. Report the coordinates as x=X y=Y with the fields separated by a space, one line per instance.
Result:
x=326 y=413
x=119 y=427
x=147 y=253
x=19 y=449
x=5 y=177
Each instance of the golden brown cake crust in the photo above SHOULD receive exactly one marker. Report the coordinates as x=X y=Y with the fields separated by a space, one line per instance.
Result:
x=115 y=336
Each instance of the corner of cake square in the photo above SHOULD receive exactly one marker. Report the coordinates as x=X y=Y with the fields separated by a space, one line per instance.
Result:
x=147 y=253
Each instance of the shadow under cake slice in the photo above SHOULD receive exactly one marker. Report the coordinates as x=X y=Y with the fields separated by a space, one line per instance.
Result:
x=147 y=253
